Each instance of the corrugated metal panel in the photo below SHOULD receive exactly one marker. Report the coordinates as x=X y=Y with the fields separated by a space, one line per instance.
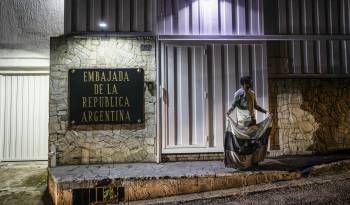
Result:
x=307 y=16
x=23 y=117
x=309 y=57
x=229 y=17
x=209 y=17
x=236 y=17
x=119 y=15
x=199 y=83
x=2 y=111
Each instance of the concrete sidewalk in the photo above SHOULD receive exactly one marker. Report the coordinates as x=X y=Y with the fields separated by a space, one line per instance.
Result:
x=327 y=188
x=26 y=182
x=23 y=183
x=182 y=169
x=141 y=181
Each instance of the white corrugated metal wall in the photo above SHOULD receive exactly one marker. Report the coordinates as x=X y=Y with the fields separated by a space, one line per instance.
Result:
x=24 y=117
x=174 y=17
x=308 y=17
x=218 y=17
x=119 y=15
x=309 y=57
x=198 y=83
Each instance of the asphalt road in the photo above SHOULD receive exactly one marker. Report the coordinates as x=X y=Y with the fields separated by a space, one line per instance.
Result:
x=335 y=192
x=333 y=189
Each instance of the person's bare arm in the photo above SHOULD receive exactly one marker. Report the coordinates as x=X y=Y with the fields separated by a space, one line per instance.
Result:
x=234 y=104
x=231 y=109
x=258 y=108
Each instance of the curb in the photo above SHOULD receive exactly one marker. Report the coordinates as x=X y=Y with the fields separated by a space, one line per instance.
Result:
x=303 y=177
x=330 y=168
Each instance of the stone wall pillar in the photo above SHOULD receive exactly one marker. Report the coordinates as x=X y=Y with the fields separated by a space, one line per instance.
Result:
x=102 y=143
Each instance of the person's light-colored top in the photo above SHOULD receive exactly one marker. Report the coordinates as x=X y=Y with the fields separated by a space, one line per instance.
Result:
x=245 y=103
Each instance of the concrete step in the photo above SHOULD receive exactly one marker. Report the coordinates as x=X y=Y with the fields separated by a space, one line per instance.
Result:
x=242 y=193
x=142 y=181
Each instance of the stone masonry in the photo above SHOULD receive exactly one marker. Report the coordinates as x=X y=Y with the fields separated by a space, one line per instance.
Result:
x=103 y=143
x=311 y=115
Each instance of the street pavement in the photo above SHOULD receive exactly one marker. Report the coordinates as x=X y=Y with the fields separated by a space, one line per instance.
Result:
x=334 y=190
x=325 y=189
x=23 y=183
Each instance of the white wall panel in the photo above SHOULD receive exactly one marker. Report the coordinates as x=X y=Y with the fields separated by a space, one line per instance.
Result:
x=217 y=96
x=23 y=117
x=183 y=97
x=198 y=75
x=2 y=115
x=171 y=80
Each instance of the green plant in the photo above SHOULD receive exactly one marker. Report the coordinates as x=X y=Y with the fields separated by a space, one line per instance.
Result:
x=109 y=194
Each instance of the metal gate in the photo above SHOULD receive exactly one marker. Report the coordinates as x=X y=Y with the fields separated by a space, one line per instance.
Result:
x=198 y=83
x=23 y=117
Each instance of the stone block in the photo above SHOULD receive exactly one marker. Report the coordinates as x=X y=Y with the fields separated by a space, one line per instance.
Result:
x=205 y=183
x=188 y=185
x=251 y=180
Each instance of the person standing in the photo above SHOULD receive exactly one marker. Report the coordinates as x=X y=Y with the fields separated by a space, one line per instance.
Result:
x=245 y=102
x=246 y=143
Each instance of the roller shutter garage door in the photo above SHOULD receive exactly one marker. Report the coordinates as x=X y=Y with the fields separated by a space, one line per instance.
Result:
x=24 y=117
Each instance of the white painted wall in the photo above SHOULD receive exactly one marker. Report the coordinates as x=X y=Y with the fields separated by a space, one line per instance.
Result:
x=25 y=30
x=26 y=27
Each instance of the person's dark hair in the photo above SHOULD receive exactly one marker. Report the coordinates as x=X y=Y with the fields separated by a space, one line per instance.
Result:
x=245 y=79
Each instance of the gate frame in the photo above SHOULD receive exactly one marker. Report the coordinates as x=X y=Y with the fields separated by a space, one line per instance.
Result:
x=177 y=40
x=16 y=71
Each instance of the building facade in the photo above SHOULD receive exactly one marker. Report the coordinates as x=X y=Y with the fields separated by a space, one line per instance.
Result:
x=198 y=51
x=192 y=53
x=127 y=81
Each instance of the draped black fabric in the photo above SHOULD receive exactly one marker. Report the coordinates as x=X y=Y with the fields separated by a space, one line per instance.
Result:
x=242 y=152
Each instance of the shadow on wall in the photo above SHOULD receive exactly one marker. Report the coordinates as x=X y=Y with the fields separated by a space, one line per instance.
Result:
x=312 y=115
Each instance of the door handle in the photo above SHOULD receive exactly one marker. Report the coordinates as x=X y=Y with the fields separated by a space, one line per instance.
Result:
x=165 y=96
x=205 y=95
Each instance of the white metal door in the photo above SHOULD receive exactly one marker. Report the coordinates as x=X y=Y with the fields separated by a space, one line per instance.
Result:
x=198 y=83
x=185 y=100
x=24 y=117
